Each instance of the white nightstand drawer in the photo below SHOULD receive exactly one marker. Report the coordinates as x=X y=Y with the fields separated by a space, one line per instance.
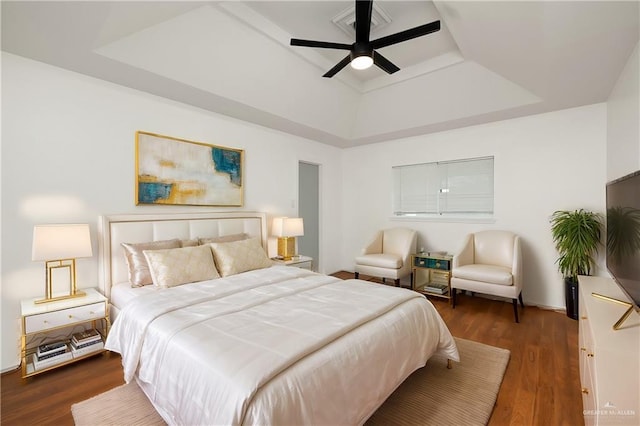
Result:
x=63 y=317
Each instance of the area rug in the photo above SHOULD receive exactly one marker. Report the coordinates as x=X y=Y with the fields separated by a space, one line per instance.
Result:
x=433 y=395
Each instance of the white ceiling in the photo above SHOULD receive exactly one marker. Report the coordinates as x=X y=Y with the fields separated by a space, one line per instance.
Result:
x=490 y=61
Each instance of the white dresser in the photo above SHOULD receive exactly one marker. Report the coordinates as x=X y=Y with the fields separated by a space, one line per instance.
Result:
x=609 y=359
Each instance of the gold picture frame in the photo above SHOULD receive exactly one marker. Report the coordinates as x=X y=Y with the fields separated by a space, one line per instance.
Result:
x=174 y=171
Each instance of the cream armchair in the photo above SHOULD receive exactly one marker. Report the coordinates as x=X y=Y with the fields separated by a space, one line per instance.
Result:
x=490 y=262
x=388 y=255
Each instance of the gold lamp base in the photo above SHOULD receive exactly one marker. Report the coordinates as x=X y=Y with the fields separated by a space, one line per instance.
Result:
x=78 y=293
x=286 y=247
x=64 y=265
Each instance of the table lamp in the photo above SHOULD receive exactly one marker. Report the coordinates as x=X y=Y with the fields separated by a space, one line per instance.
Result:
x=287 y=229
x=59 y=246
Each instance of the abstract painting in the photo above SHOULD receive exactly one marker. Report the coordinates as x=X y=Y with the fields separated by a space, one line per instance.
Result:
x=181 y=172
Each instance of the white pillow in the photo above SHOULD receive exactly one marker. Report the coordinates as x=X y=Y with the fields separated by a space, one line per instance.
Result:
x=239 y=256
x=178 y=266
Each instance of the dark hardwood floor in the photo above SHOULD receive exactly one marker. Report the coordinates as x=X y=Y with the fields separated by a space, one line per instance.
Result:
x=541 y=385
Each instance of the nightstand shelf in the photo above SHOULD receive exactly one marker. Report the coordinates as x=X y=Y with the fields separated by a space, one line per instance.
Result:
x=429 y=272
x=304 y=262
x=56 y=322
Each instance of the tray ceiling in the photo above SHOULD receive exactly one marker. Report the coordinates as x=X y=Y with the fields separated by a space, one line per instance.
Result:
x=490 y=61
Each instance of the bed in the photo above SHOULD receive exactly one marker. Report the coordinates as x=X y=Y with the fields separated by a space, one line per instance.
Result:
x=268 y=345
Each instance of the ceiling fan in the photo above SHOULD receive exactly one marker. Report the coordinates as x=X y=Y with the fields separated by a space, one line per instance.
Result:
x=362 y=53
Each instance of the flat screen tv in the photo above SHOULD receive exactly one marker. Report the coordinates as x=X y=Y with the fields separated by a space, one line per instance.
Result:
x=623 y=234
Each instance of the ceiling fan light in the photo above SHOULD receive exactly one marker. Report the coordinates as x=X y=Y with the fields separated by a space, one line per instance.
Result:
x=361 y=62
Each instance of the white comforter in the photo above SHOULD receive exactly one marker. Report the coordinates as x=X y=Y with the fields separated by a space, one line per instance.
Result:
x=279 y=345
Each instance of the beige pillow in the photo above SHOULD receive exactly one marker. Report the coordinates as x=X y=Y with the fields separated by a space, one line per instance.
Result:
x=223 y=239
x=239 y=256
x=189 y=243
x=183 y=265
x=138 y=268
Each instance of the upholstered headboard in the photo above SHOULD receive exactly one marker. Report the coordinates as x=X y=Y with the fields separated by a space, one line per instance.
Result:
x=140 y=228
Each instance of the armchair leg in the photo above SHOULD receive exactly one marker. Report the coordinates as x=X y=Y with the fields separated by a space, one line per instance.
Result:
x=397 y=282
x=521 y=302
x=453 y=298
x=357 y=275
x=515 y=309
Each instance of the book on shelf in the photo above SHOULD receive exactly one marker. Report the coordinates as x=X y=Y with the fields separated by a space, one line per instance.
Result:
x=86 y=336
x=86 y=343
x=51 y=354
x=78 y=352
x=76 y=345
x=436 y=288
x=51 y=348
x=40 y=364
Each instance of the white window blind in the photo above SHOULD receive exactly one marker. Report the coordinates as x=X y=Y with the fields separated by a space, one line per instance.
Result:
x=446 y=188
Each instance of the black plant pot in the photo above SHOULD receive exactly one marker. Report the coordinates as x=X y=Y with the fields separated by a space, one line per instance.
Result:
x=571 y=297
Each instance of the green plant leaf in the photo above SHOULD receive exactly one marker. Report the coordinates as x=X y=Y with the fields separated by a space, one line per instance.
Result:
x=576 y=235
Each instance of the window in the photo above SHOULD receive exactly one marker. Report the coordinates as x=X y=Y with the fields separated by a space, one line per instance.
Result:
x=459 y=188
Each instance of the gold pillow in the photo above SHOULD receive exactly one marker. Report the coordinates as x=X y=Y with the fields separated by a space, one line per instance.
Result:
x=239 y=256
x=138 y=268
x=223 y=239
x=177 y=266
x=189 y=243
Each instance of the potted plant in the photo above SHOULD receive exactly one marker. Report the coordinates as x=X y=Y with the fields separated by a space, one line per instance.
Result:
x=576 y=235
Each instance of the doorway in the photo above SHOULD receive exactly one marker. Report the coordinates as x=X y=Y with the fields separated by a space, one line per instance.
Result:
x=309 y=210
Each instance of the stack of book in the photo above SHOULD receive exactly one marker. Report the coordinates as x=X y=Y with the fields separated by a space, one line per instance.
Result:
x=85 y=342
x=436 y=288
x=51 y=354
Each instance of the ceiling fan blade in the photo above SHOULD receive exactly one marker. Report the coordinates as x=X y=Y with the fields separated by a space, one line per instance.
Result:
x=321 y=44
x=343 y=63
x=384 y=64
x=363 y=20
x=406 y=35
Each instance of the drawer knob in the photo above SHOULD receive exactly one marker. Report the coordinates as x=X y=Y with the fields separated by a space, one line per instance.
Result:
x=584 y=317
x=46 y=322
x=70 y=316
x=591 y=355
x=585 y=391
x=583 y=349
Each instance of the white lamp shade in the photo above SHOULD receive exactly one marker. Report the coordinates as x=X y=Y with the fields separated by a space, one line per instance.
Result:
x=55 y=242
x=276 y=226
x=287 y=227
x=293 y=227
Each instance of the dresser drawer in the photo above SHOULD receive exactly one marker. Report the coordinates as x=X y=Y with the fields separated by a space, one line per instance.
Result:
x=64 y=317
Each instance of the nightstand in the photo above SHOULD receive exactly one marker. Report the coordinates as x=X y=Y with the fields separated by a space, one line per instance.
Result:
x=304 y=262
x=431 y=274
x=56 y=322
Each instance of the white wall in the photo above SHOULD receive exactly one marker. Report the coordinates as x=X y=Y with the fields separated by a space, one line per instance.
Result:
x=623 y=121
x=543 y=163
x=68 y=156
x=68 y=148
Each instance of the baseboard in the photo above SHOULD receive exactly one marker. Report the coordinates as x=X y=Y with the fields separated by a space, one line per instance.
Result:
x=10 y=369
x=559 y=309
